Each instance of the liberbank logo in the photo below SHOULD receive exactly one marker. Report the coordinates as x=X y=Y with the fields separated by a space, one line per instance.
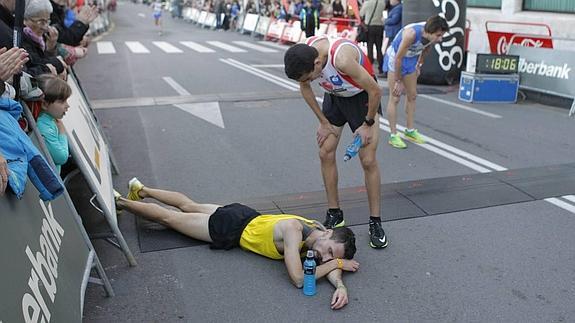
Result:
x=543 y=68
x=44 y=272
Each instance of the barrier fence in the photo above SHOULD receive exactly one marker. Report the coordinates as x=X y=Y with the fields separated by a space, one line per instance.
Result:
x=46 y=254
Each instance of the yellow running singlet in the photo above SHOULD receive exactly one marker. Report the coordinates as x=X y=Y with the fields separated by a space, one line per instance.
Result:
x=258 y=236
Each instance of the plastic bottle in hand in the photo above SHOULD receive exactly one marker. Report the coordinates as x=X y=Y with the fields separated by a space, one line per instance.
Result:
x=309 y=274
x=352 y=149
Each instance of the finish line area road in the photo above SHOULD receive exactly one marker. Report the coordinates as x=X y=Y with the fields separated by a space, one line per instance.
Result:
x=211 y=114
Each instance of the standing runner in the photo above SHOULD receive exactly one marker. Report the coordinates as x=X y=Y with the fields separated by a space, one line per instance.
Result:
x=157 y=7
x=402 y=62
x=352 y=96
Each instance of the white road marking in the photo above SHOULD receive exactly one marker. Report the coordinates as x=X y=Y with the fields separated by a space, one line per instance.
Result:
x=197 y=47
x=177 y=87
x=208 y=111
x=142 y=15
x=259 y=48
x=225 y=46
x=167 y=47
x=278 y=46
x=266 y=76
x=137 y=48
x=561 y=204
x=460 y=106
x=570 y=198
x=268 y=65
x=105 y=47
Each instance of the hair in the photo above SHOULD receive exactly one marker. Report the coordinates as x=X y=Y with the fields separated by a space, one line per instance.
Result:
x=54 y=88
x=36 y=7
x=347 y=237
x=299 y=60
x=435 y=24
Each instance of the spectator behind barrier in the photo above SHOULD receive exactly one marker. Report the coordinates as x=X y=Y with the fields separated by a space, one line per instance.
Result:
x=337 y=8
x=74 y=34
x=54 y=107
x=39 y=39
x=23 y=158
x=11 y=62
x=7 y=22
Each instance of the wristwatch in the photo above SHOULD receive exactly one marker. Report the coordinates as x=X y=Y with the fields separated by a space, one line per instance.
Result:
x=369 y=121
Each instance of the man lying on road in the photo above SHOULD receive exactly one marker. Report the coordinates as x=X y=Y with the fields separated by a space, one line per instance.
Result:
x=281 y=236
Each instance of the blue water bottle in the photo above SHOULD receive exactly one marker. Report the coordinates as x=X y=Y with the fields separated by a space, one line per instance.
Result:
x=352 y=149
x=309 y=274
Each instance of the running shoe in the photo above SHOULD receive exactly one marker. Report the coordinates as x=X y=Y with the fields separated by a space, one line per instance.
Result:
x=334 y=219
x=396 y=141
x=414 y=136
x=134 y=186
x=377 y=238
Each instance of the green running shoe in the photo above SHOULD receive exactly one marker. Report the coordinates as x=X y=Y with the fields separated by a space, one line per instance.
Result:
x=414 y=136
x=396 y=141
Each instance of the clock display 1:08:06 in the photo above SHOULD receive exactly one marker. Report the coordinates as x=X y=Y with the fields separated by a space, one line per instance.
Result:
x=501 y=64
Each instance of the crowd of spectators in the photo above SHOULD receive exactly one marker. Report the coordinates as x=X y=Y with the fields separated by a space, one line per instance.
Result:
x=53 y=38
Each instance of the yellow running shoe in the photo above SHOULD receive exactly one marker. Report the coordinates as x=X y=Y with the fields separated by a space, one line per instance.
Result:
x=414 y=136
x=134 y=186
x=396 y=141
x=117 y=196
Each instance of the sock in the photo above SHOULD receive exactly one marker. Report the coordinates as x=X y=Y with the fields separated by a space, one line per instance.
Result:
x=375 y=219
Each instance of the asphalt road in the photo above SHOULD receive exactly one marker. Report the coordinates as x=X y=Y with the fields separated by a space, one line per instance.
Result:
x=225 y=124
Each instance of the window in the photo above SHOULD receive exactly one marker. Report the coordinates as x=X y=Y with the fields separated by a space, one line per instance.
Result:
x=486 y=3
x=550 y=5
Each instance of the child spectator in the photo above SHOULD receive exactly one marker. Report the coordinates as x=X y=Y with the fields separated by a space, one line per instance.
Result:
x=54 y=107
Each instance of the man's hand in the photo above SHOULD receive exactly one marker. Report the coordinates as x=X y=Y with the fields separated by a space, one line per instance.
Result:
x=323 y=131
x=51 y=38
x=11 y=62
x=3 y=174
x=339 y=298
x=365 y=132
x=87 y=14
x=350 y=265
x=398 y=88
x=52 y=69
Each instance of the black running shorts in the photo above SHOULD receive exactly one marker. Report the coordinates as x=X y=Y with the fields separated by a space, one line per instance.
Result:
x=339 y=110
x=227 y=223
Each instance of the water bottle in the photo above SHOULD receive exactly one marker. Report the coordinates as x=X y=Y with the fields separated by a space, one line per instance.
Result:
x=352 y=149
x=309 y=274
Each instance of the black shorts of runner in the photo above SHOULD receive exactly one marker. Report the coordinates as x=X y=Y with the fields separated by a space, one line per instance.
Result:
x=227 y=223
x=339 y=110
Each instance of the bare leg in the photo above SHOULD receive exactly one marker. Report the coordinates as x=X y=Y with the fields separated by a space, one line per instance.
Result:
x=392 y=103
x=329 y=168
x=194 y=225
x=178 y=200
x=410 y=82
x=371 y=171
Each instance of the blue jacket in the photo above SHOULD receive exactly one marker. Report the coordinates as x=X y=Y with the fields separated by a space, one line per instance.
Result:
x=23 y=157
x=392 y=24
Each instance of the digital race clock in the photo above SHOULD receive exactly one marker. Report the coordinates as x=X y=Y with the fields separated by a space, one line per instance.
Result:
x=496 y=64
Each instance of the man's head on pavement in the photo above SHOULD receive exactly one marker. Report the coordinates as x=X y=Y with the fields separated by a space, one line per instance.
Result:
x=435 y=27
x=302 y=63
x=335 y=243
